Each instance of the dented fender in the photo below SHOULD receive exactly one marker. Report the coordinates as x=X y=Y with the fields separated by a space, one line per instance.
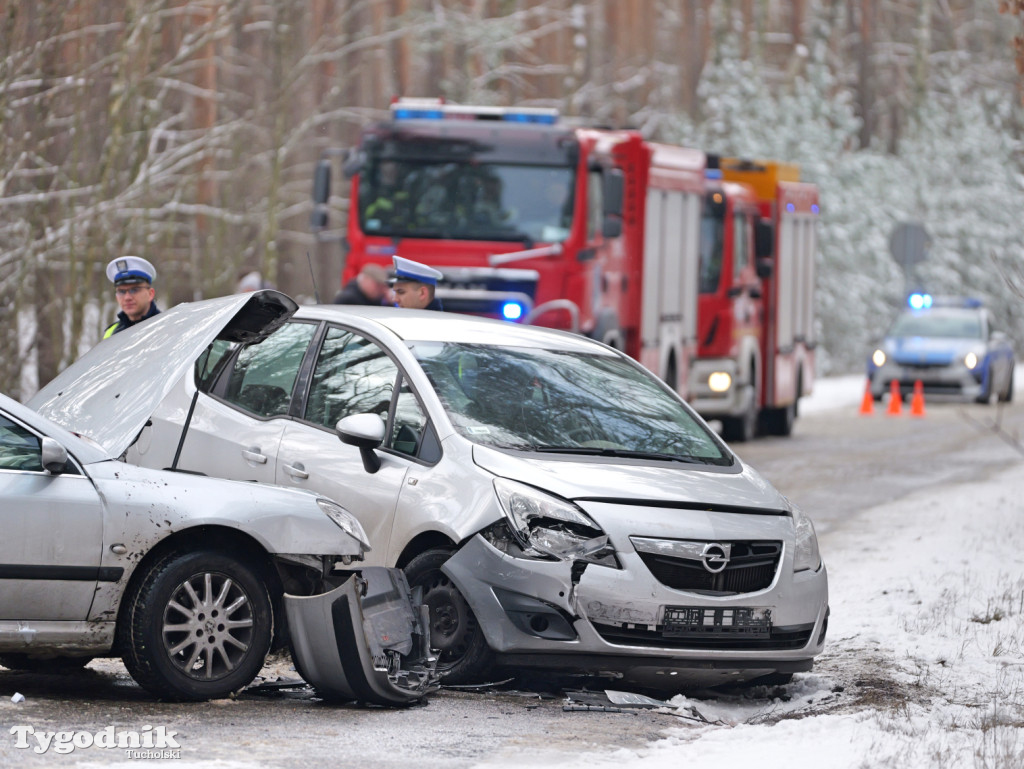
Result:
x=513 y=597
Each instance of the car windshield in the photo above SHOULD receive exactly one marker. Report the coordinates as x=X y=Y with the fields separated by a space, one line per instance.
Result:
x=464 y=200
x=943 y=325
x=563 y=402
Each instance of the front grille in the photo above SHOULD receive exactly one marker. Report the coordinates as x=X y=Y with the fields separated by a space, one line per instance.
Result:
x=779 y=638
x=751 y=567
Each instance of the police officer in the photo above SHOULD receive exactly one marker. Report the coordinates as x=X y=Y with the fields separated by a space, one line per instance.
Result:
x=369 y=287
x=132 y=277
x=414 y=285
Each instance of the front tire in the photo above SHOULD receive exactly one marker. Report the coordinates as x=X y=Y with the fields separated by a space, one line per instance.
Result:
x=198 y=626
x=463 y=653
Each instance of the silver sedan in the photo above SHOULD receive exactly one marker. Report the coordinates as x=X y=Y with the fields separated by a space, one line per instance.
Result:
x=183 y=576
x=559 y=506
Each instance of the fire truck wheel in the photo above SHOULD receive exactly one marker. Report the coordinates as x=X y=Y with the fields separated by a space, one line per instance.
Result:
x=744 y=427
x=779 y=421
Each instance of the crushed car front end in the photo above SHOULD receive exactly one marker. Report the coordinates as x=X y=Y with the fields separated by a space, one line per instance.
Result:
x=656 y=593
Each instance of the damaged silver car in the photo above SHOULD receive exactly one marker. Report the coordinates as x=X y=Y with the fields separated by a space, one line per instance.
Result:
x=558 y=505
x=186 y=578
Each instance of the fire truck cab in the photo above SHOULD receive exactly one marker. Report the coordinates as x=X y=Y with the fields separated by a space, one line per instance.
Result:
x=698 y=267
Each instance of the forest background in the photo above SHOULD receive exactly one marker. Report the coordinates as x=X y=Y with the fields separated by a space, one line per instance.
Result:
x=187 y=133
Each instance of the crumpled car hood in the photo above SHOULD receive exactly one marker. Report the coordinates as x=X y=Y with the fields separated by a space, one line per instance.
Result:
x=588 y=478
x=110 y=392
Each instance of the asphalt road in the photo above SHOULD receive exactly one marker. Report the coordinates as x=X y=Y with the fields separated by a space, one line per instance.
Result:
x=834 y=465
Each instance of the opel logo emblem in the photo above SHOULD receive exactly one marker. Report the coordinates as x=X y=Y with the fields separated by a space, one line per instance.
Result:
x=715 y=557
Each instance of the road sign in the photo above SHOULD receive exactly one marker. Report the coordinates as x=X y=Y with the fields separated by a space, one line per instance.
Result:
x=909 y=244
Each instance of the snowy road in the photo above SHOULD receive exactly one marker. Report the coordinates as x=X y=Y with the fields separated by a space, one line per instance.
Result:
x=922 y=530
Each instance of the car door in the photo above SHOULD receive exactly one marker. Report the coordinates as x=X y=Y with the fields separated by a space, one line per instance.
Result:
x=354 y=375
x=52 y=529
x=236 y=428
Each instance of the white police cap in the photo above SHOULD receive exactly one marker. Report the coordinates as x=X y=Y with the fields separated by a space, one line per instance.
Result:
x=130 y=269
x=407 y=269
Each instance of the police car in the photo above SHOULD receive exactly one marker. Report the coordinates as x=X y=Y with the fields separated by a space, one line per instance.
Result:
x=952 y=346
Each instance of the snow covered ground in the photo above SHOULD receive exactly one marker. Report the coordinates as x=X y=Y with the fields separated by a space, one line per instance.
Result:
x=924 y=665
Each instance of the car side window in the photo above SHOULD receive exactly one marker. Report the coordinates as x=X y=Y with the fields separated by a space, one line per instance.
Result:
x=352 y=375
x=410 y=424
x=19 y=448
x=262 y=376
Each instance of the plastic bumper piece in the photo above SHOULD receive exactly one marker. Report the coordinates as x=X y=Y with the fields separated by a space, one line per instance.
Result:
x=367 y=640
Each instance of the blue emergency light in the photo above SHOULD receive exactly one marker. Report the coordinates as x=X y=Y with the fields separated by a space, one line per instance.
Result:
x=407 y=113
x=918 y=301
x=512 y=311
x=540 y=118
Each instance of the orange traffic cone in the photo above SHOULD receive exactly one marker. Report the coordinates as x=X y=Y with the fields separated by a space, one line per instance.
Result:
x=867 y=406
x=895 y=399
x=917 y=402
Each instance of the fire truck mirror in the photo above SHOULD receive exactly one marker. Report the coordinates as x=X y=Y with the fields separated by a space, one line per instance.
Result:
x=354 y=163
x=764 y=268
x=613 y=188
x=764 y=239
x=322 y=181
x=612 y=226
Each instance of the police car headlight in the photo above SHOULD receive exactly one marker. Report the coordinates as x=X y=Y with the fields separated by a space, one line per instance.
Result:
x=806 y=556
x=544 y=525
x=971 y=360
x=878 y=358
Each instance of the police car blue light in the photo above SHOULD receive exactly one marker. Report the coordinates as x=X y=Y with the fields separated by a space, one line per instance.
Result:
x=919 y=301
x=511 y=311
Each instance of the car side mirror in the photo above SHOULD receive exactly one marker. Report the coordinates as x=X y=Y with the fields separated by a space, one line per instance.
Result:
x=54 y=456
x=366 y=433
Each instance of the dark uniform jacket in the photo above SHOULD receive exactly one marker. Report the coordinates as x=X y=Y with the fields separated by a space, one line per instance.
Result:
x=351 y=294
x=123 y=321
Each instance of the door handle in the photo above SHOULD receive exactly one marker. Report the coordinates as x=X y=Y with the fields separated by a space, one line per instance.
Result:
x=254 y=455
x=296 y=471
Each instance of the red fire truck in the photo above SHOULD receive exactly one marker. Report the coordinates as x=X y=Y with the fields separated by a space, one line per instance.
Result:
x=535 y=220
x=756 y=340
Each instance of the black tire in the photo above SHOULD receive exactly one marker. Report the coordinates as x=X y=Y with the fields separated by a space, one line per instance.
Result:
x=463 y=653
x=744 y=427
x=779 y=421
x=18 y=661
x=194 y=654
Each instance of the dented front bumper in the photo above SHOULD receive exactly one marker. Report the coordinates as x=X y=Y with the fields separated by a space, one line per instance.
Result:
x=596 y=619
x=366 y=641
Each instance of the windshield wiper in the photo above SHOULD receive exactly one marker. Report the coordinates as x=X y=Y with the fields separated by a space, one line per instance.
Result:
x=622 y=454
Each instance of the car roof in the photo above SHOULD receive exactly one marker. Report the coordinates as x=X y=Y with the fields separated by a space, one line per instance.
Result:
x=432 y=326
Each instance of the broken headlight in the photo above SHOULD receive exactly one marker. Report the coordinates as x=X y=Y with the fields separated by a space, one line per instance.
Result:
x=345 y=521
x=805 y=556
x=545 y=526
